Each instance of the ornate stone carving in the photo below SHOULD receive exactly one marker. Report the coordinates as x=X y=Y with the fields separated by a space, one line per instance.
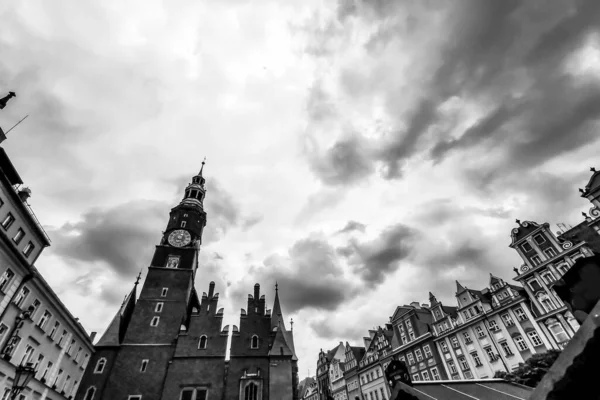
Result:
x=567 y=245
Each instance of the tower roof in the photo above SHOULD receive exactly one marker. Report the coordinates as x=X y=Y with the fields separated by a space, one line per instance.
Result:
x=459 y=288
x=114 y=334
x=276 y=314
x=280 y=346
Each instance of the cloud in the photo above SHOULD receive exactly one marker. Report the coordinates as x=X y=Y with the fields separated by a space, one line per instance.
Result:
x=375 y=260
x=295 y=273
x=352 y=226
x=521 y=102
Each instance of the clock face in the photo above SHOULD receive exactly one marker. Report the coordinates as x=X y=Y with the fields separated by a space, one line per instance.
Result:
x=179 y=238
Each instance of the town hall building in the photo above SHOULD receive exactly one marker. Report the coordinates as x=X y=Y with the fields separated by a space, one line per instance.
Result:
x=170 y=343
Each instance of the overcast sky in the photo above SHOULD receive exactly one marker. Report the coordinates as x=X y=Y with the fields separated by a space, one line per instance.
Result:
x=362 y=153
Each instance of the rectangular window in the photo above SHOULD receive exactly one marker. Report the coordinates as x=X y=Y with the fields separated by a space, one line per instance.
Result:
x=415 y=377
x=506 y=348
x=411 y=335
x=452 y=367
x=425 y=375
x=493 y=325
x=548 y=277
x=476 y=359
x=58 y=376
x=468 y=375
x=550 y=252
x=444 y=346
x=535 y=338
x=435 y=374
x=159 y=307
x=154 y=321
x=467 y=337
x=135 y=397
x=70 y=348
x=19 y=236
x=466 y=315
x=410 y=358
x=463 y=363
x=144 y=366
x=536 y=260
x=28 y=249
x=39 y=361
x=27 y=355
x=479 y=331
x=507 y=320
x=521 y=343
x=62 y=337
x=419 y=355
x=521 y=316
x=427 y=351
x=8 y=221
x=34 y=307
x=66 y=384
x=490 y=353
x=54 y=329
x=23 y=293
x=526 y=247
x=539 y=239
x=47 y=371
x=5 y=279
x=454 y=341
x=183 y=224
x=44 y=319
x=76 y=358
x=164 y=292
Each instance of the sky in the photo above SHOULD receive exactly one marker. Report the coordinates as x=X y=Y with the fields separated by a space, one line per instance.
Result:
x=361 y=153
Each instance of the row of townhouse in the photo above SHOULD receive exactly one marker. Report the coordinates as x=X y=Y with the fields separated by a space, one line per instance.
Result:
x=36 y=328
x=489 y=330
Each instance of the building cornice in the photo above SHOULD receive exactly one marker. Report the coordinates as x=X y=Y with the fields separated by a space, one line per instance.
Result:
x=567 y=252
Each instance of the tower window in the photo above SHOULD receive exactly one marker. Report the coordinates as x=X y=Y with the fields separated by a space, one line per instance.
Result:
x=89 y=394
x=251 y=391
x=100 y=366
x=202 y=343
x=144 y=366
x=154 y=321
x=159 y=307
x=164 y=292
x=254 y=342
x=526 y=247
x=183 y=224
x=28 y=249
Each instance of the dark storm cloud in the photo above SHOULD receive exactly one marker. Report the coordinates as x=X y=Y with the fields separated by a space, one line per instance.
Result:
x=296 y=273
x=511 y=54
x=373 y=261
x=352 y=226
x=111 y=235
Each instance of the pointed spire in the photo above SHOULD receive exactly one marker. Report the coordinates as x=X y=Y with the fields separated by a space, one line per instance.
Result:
x=202 y=167
x=137 y=280
x=459 y=287
x=432 y=299
x=276 y=314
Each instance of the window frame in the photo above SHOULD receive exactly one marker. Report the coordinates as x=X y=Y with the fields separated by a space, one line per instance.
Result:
x=539 y=235
x=519 y=312
x=205 y=342
x=533 y=337
x=523 y=247
x=534 y=258
x=435 y=376
x=550 y=249
x=19 y=236
x=28 y=249
x=155 y=321
x=452 y=367
x=520 y=342
x=476 y=359
x=86 y=396
x=164 y=292
x=100 y=365
x=8 y=221
x=144 y=365
x=427 y=351
x=7 y=277
x=159 y=306
x=252 y=340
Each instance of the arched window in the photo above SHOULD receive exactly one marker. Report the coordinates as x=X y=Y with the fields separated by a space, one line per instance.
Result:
x=254 y=343
x=572 y=321
x=202 y=343
x=251 y=391
x=89 y=394
x=100 y=366
x=546 y=302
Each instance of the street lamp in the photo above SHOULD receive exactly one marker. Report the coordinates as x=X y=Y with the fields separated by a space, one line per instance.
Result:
x=23 y=375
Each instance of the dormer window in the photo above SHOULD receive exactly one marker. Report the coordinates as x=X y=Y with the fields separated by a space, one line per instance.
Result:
x=254 y=342
x=539 y=239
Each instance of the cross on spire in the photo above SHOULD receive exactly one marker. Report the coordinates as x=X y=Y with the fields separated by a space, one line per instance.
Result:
x=202 y=167
x=137 y=280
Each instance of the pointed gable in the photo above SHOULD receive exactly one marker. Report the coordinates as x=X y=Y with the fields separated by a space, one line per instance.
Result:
x=114 y=334
x=459 y=288
x=280 y=345
x=276 y=314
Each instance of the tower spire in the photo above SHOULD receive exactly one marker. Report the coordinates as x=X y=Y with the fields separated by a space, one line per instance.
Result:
x=202 y=167
x=276 y=315
x=137 y=280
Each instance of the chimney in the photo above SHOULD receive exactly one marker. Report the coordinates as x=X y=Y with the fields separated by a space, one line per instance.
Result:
x=256 y=292
x=92 y=336
x=211 y=289
x=425 y=305
x=24 y=194
x=415 y=304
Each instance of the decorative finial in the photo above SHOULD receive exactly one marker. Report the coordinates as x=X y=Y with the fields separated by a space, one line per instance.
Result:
x=202 y=167
x=591 y=168
x=276 y=286
x=581 y=190
x=138 y=277
x=584 y=214
x=518 y=221
x=5 y=99
x=292 y=323
x=516 y=270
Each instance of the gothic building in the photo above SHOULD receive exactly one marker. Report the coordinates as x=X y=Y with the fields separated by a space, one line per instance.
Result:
x=170 y=343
